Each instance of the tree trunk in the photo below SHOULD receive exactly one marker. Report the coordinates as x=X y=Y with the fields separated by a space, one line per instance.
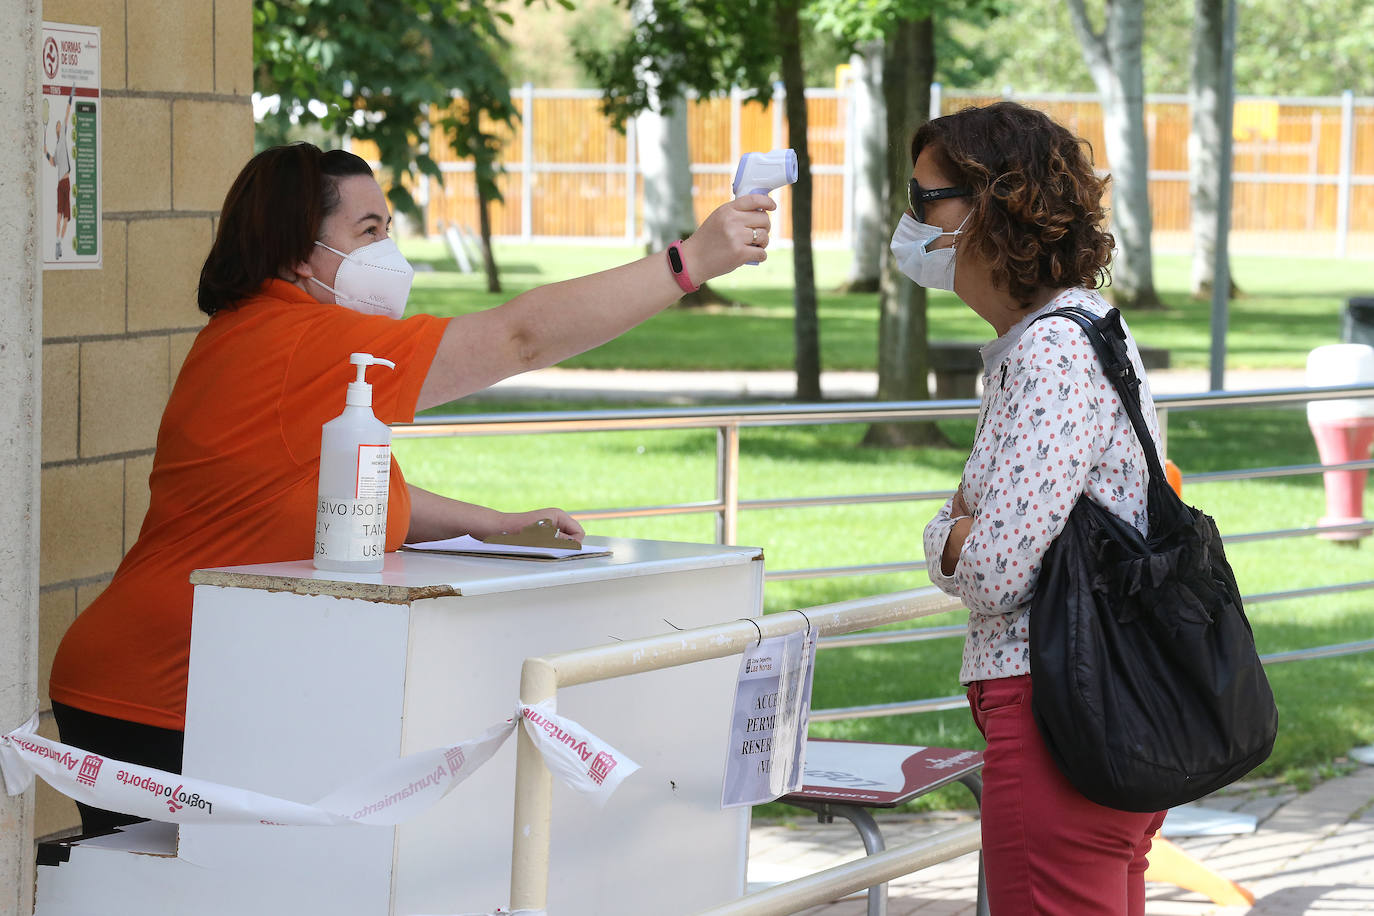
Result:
x=661 y=141
x=665 y=164
x=1204 y=142
x=870 y=231
x=661 y=138
x=1114 y=58
x=806 y=323
x=484 y=224
x=903 y=329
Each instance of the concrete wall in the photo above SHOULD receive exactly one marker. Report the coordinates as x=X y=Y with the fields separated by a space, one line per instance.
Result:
x=20 y=404
x=177 y=126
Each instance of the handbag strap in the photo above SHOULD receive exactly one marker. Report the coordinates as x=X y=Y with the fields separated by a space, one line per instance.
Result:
x=1108 y=339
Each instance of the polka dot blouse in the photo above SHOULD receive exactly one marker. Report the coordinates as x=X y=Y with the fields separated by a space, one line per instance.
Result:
x=1050 y=429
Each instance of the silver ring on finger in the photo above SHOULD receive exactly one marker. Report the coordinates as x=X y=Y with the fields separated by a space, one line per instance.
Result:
x=755 y=239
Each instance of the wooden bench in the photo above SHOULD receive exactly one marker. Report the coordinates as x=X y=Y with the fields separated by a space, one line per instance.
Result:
x=846 y=778
x=958 y=365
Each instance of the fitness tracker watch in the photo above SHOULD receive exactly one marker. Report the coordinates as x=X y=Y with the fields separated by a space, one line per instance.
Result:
x=679 y=268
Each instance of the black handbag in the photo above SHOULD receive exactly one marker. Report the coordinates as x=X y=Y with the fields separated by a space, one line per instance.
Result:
x=1145 y=681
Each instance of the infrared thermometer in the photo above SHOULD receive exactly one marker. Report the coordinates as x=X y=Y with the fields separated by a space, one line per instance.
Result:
x=761 y=173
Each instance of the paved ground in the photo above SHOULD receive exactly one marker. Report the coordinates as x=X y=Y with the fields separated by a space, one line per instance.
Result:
x=1311 y=853
x=621 y=384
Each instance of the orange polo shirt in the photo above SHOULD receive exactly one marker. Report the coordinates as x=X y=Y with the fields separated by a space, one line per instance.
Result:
x=234 y=481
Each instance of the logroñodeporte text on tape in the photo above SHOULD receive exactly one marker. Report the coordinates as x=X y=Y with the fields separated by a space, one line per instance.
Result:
x=392 y=795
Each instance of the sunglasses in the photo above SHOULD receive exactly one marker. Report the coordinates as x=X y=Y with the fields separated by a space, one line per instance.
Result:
x=917 y=197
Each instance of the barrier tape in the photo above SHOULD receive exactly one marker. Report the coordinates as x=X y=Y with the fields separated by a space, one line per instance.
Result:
x=393 y=794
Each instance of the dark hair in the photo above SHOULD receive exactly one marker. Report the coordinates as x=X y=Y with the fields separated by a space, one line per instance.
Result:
x=1037 y=203
x=271 y=219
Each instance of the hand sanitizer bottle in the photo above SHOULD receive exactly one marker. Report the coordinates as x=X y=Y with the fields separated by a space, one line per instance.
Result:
x=355 y=472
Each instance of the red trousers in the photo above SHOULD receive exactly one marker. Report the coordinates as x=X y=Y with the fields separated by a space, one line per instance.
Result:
x=1048 y=851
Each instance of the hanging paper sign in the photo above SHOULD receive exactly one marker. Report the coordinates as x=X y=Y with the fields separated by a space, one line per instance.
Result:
x=765 y=757
x=69 y=104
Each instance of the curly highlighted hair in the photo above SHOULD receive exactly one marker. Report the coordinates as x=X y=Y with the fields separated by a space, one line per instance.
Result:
x=1037 y=203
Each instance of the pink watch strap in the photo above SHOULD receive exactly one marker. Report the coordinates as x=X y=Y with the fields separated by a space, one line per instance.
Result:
x=678 y=265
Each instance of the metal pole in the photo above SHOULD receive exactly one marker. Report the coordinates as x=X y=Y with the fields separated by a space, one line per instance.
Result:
x=727 y=483
x=833 y=883
x=540 y=679
x=1221 y=273
x=527 y=165
x=529 y=876
x=1343 y=181
x=736 y=98
x=683 y=647
x=782 y=224
x=851 y=142
x=631 y=179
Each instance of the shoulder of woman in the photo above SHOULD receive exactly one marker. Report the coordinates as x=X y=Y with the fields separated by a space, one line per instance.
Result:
x=1054 y=344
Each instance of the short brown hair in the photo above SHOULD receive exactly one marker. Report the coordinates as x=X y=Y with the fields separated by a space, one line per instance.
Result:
x=271 y=219
x=1037 y=203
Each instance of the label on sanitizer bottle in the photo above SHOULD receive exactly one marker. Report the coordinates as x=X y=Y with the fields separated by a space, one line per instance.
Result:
x=374 y=471
x=355 y=529
x=350 y=529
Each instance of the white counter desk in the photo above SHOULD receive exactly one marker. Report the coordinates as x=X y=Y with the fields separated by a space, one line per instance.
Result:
x=302 y=680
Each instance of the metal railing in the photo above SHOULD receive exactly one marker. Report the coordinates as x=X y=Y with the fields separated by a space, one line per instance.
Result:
x=541 y=678
x=728 y=504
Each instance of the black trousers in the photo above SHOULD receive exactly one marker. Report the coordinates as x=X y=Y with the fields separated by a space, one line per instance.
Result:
x=117 y=739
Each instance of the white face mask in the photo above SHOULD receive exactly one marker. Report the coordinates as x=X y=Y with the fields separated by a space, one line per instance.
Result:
x=911 y=247
x=374 y=279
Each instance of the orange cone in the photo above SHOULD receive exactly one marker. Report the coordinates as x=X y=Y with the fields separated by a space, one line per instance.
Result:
x=1172 y=865
x=1174 y=476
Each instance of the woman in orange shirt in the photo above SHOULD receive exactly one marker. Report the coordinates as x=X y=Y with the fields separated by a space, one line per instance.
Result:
x=302 y=273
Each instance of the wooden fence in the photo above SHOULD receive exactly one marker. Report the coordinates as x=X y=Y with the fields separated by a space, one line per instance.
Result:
x=1304 y=167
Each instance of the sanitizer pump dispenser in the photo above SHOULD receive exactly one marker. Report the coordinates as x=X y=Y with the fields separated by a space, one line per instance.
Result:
x=355 y=473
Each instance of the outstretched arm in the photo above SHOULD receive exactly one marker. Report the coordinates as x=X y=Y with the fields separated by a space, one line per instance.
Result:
x=553 y=322
x=434 y=517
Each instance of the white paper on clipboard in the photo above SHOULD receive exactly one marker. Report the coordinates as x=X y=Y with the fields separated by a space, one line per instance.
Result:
x=467 y=545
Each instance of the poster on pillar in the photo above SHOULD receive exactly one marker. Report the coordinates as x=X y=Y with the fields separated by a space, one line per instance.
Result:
x=69 y=179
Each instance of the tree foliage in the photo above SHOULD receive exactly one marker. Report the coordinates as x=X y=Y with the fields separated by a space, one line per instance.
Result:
x=710 y=46
x=373 y=69
x=1316 y=47
x=705 y=46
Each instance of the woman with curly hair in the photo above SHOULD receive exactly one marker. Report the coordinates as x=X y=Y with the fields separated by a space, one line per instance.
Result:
x=1006 y=212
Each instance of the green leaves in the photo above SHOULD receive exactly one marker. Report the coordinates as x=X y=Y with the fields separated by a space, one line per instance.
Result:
x=679 y=45
x=378 y=68
x=1314 y=48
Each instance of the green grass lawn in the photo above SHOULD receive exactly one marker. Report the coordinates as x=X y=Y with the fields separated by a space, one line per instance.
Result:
x=1289 y=307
